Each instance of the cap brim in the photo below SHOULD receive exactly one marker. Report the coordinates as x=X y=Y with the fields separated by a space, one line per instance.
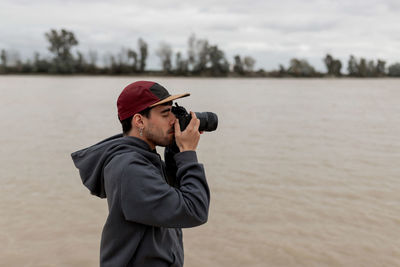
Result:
x=170 y=98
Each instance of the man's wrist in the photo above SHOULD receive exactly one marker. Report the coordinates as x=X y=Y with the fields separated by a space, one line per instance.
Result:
x=185 y=157
x=186 y=149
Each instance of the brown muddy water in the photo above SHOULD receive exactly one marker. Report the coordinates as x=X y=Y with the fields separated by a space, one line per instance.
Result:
x=302 y=172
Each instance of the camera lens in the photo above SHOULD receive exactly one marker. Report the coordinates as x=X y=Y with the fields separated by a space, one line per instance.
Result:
x=208 y=121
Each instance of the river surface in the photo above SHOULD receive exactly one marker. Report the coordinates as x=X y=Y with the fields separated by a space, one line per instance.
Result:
x=302 y=172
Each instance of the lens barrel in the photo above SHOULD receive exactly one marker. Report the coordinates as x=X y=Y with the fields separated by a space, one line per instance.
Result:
x=208 y=121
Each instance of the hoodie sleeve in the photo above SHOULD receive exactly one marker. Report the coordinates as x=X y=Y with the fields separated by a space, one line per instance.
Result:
x=146 y=197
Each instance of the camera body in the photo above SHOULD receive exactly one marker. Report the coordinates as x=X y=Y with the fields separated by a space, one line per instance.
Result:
x=208 y=120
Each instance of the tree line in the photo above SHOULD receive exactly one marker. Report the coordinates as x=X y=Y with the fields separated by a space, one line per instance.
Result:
x=202 y=59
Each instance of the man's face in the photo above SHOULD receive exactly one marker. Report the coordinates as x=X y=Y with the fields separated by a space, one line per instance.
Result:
x=159 y=127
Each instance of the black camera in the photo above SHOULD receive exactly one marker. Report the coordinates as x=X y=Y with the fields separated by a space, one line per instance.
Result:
x=208 y=120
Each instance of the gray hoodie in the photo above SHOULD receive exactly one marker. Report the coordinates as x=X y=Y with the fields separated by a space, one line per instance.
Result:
x=146 y=213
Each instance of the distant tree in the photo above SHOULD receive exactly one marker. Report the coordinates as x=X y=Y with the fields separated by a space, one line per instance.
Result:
x=202 y=56
x=362 y=68
x=352 y=66
x=40 y=65
x=119 y=63
x=380 y=68
x=181 y=65
x=328 y=63
x=394 y=70
x=238 y=65
x=133 y=55
x=61 y=43
x=26 y=67
x=92 y=57
x=301 y=68
x=282 y=71
x=143 y=47
x=219 y=64
x=198 y=55
x=164 y=52
x=371 y=69
x=333 y=66
x=249 y=63
x=80 y=63
x=123 y=64
x=366 y=68
x=4 y=59
x=337 y=66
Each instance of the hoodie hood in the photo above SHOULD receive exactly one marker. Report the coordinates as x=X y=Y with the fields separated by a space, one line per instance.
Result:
x=91 y=161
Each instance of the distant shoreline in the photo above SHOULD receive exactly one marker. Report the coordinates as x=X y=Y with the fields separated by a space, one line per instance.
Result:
x=203 y=60
x=160 y=74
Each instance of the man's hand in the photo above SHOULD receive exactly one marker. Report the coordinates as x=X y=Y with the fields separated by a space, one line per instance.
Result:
x=189 y=138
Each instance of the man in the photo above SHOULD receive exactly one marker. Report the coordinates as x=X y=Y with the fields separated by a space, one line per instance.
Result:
x=148 y=201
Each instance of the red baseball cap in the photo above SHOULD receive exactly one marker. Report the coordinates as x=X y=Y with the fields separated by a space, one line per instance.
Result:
x=140 y=95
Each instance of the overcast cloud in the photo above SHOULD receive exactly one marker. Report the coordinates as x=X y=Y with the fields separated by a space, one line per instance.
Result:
x=270 y=31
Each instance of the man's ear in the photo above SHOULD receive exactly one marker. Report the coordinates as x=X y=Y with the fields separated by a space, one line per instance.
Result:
x=138 y=121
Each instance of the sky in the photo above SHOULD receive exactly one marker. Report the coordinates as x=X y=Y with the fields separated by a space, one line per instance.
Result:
x=272 y=32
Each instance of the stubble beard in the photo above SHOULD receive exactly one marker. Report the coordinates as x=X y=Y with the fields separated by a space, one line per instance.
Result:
x=157 y=137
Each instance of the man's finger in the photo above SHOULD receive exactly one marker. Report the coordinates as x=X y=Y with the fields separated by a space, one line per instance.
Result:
x=177 y=127
x=197 y=124
x=193 y=120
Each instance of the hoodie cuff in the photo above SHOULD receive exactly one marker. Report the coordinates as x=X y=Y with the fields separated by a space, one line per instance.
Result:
x=184 y=157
